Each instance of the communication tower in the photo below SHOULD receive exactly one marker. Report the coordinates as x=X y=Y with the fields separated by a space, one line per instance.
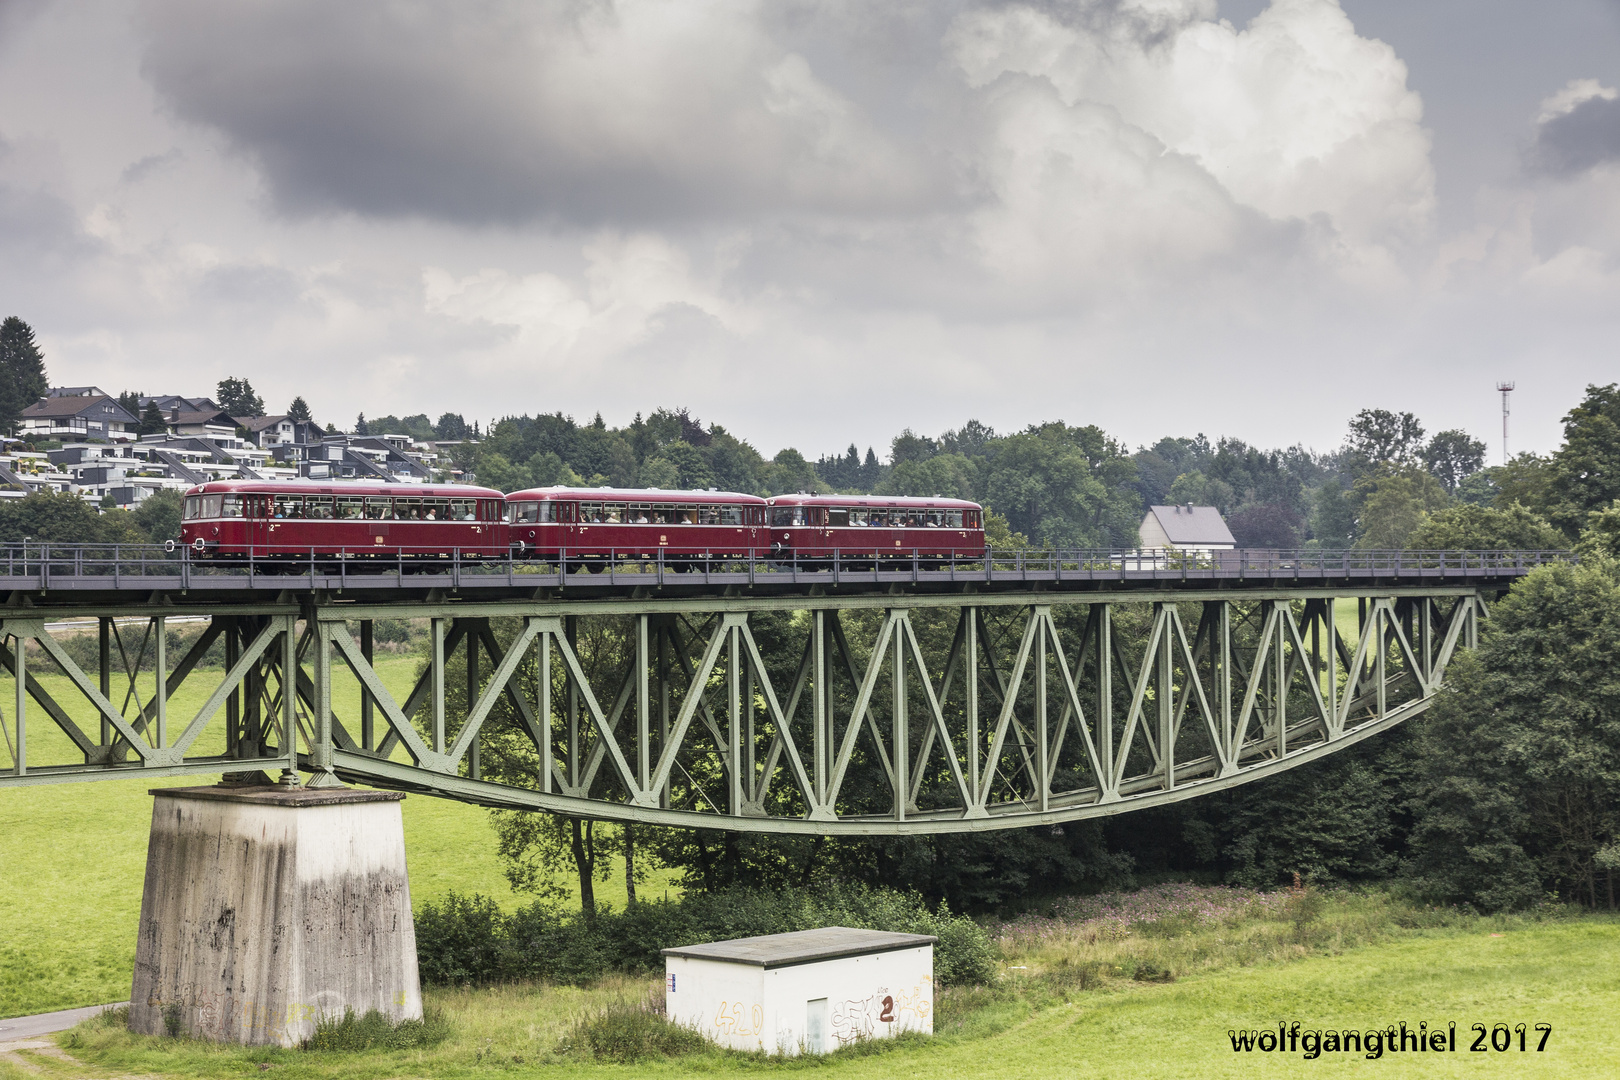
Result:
x=1506 y=388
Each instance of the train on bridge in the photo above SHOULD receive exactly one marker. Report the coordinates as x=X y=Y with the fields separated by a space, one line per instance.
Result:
x=385 y=524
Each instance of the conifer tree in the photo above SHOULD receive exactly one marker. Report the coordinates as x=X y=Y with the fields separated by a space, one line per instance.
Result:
x=22 y=372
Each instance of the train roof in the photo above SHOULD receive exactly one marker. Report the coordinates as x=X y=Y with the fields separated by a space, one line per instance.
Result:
x=339 y=487
x=919 y=502
x=646 y=495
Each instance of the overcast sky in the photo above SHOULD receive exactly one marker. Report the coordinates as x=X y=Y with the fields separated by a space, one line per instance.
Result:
x=824 y=222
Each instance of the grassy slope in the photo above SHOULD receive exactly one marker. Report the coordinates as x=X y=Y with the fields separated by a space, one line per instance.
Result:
x=72 y=858
x=1565 y=973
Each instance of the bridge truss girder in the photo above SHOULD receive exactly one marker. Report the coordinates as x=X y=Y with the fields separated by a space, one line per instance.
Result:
x=871 y=714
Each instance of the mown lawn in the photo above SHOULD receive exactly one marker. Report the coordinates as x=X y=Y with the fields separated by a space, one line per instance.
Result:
x=1566 y=973
x=73 y=856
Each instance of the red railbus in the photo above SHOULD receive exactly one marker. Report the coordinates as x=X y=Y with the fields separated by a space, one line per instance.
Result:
x=634 y=523
x=874 y=528
x=236 y=518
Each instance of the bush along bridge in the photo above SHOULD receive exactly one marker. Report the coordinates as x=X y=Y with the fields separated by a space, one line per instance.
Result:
x=843 y=697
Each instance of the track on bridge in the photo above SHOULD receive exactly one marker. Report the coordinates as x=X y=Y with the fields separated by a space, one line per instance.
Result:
x=1028 y=688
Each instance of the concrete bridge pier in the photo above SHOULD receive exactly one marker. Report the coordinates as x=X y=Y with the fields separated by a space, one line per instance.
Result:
x=266 y=908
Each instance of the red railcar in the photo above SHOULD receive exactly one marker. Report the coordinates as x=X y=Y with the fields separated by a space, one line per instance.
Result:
x=630 y=523
x=871 y=528
x=231 y=518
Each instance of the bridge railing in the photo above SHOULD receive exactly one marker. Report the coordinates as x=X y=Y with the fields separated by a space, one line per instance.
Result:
x=41 y=565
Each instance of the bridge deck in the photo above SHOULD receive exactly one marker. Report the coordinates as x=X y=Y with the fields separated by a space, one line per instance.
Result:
x=74 y=574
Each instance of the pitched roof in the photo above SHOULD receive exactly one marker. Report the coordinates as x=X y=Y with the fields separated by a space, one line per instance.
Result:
x=257 y=424
x=198 y=416
x=1185 y=524
x=103 y=408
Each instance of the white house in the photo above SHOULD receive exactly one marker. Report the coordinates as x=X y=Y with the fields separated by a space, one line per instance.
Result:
x=78 y=416
x=810 y=991
x=1185 y=527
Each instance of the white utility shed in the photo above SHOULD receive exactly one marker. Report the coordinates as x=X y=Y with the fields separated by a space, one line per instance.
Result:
x=808 y=991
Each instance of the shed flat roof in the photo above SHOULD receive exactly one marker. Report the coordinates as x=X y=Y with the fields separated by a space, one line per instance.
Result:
x=802 y=946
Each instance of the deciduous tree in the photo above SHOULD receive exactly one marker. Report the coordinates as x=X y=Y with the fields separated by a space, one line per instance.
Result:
x=1585 y=472
x=1519 y=757
x=236 y=398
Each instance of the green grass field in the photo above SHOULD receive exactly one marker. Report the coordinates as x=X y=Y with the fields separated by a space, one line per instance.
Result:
x=73 y=856
x=1565 y=973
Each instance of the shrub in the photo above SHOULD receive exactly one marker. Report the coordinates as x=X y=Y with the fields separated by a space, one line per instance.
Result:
x=625 y=1031
x=470 y=940
x=374 y=1031
x=459 y=942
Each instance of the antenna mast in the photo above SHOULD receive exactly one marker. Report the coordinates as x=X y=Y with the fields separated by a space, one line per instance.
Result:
x=1506 y=388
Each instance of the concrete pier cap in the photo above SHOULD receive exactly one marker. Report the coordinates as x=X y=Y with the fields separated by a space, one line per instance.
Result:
x=267 y=908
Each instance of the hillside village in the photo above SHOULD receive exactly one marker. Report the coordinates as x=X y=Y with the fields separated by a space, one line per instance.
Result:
x=82 y=440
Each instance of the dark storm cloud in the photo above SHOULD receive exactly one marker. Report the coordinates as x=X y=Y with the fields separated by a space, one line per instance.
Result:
x=573 y=110
x=1586 y=136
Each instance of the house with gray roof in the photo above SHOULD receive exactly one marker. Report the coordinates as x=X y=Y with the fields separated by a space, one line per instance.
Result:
x=78 y=416
x=1185 y=527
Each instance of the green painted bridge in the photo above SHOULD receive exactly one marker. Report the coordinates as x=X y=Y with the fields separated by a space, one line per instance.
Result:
x=1019 y=689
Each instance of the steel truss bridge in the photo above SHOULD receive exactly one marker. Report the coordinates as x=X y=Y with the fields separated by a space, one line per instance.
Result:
x=1025 y=688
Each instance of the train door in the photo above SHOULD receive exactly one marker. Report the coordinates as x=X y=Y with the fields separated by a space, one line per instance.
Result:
x=255 y=519
x=568 y=523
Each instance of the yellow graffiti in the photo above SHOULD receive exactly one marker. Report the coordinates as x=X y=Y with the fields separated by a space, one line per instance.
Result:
x=733 y=1021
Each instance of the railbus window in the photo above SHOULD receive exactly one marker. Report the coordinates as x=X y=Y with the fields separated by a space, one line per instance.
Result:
x=379 y=509
x=318 y=507
x=858 y=516
x=407 y=509
x=491 y=509
x=639 y=514
x=686 y=515
x=193 y=507
x=257 y=506
x=787 y=515
x=524 y=513
x=590 y=513
x=730 y=515
x=837 y=517
x=350 y=508
x=663 y=515
x=435 y=509
x=972 y=518
x=953 y=519
x=231 y=507
x=288 y=506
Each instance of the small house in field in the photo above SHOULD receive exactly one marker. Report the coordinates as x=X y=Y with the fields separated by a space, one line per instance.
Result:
x=1185 y=527
x=810 y=991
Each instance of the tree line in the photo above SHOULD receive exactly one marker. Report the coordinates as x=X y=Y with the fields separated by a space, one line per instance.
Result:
x=1390 y=485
